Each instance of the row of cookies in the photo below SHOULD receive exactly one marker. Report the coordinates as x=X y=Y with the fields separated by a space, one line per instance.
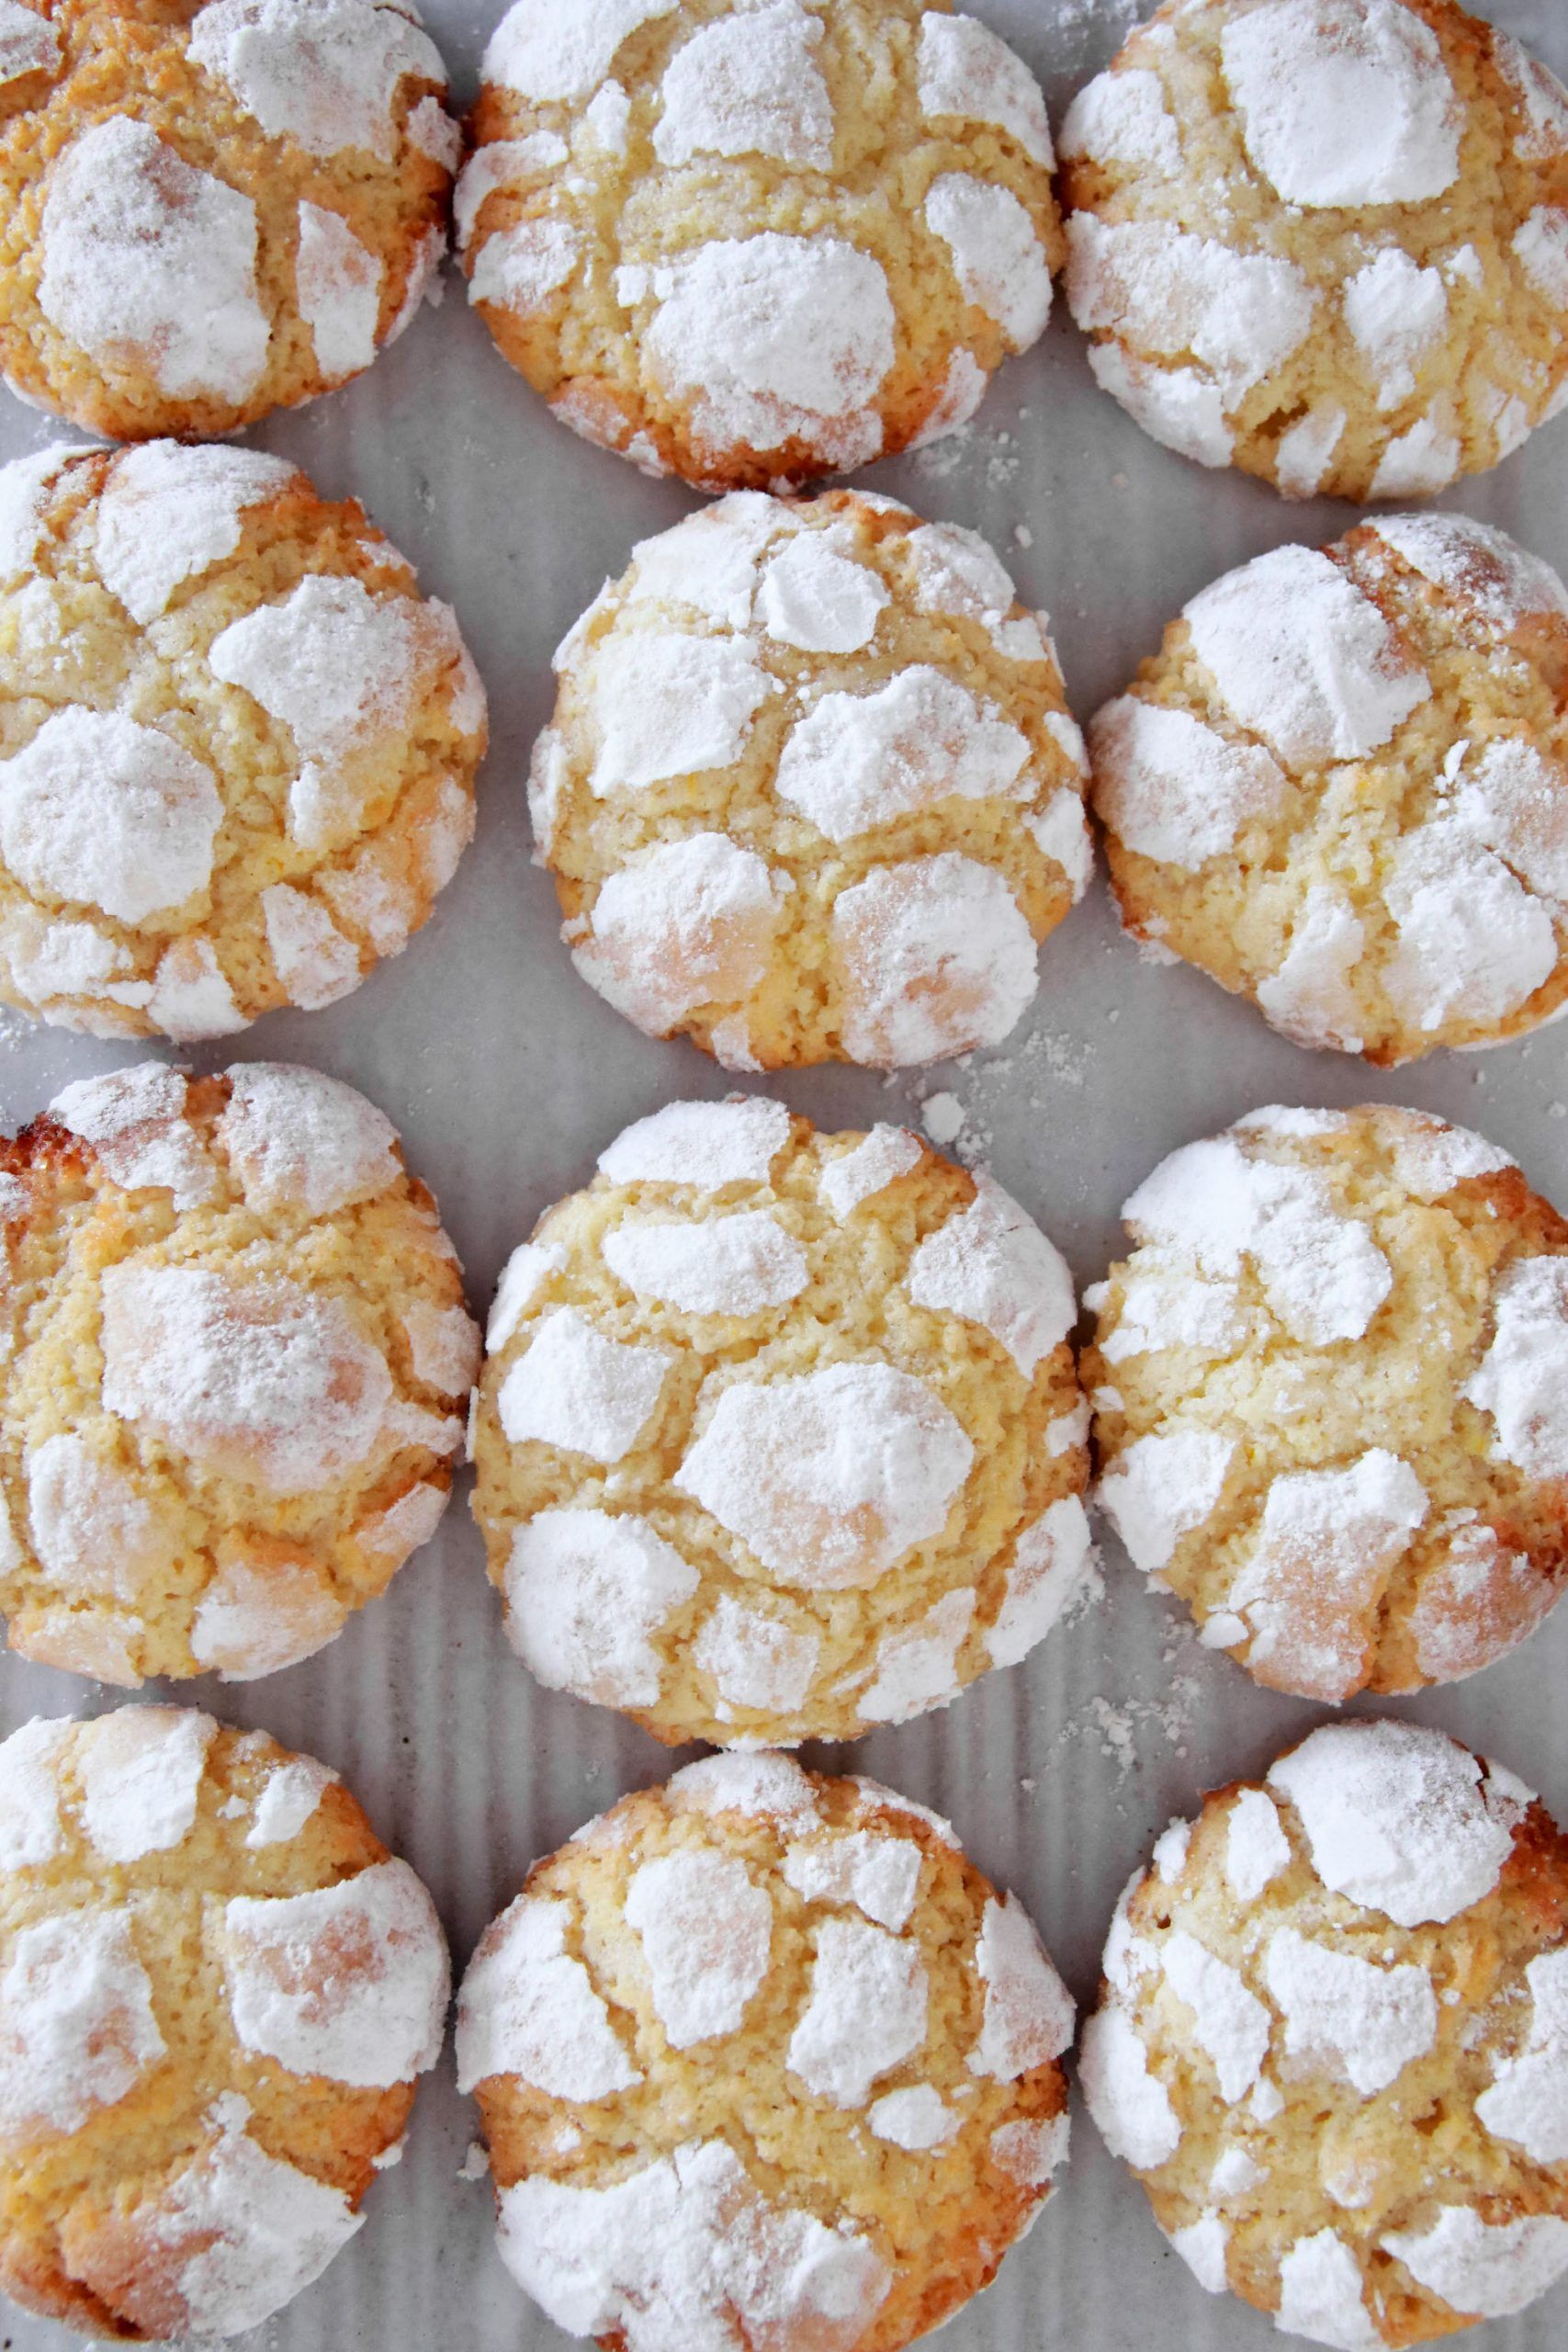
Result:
x=779 y=1434
x=761 y=2056
x=752 y=245
x=811 y=789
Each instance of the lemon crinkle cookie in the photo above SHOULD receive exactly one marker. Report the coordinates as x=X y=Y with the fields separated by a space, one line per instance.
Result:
x=237 y=748
x=217 y=1991
x=754 y=243
x=1330 y=1385
x=761 y=2057
x=778 y=1435
x=235 y=1364
x=811 y=791
x=212 y=212
x=1332 y=2038
x=1341 y=788
x=1325 y=241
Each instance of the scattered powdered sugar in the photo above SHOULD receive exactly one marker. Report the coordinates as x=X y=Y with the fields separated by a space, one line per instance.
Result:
x=1540 y=246
x=521 y=268
x=740 y=1264
x=707 y=560
x=444 y=1345
x=966 y=69
x=529 y=2007
x=1395 y=1817
x=704 y=1145
x=1320 y=2295
x=1527 y=2100
x=142 y=249
x=1129 y=2104
x=1523 y=1378
x=564 y=51
x=1302 y=456
x=1121 y=119
x=993 y=1266
x=1166 y=291
x=1516 y=802
x=1395 y=311
x=1429 y=1156
x=1160 y=1487
x=755 y=1659
x=1328 y=1545
x=998 y=259
x=1029 y=2012
x=329 y=661
x=935 y=956
x=255 y=1620
x=1473 y=943
x=860 y=760
x=1176 y=406
x=916 y=1667
x=748 y=84
x=1476 y=1602
x=1365 y=2021
x=1256 y=1848
x=525 y=1273
x=301 y=1140
x=1029 y=2151
x=817 y=597
x=349 y=1981
x=287 y=1799
x=337 y=285
x=25 y=485
x=1061 y=831
x=1169 y=787
x=135 y=1121
x=1165 y=1304
x=1303 y=658
x=191 y=998
x=877 y=1161
x=766 y=1786
x=167 y=514
x=266 y=1382
x=669 y=706
x=1201 y=2246
x=1050 y=1563
x=140 y=1770
x=29 y=42
x=705 y=1929
x=576 y=1389
x=878 y=1873
x=831 y=1476
x=686 y=923
x=915 y=2119
x=29 y=1793
x=322 y=72
x=1230 y=2025
x=585 y=1594
x=102 y=810
x=77 y=2029
x=1299 y=69
x=1426 y=458
x=866 y=2013
x=1490 y=2269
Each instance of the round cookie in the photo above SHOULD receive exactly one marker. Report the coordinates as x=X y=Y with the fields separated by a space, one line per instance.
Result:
x=212 y=212
x=762 y=2058
x=235 y=1361
x=811 y=791
x=216 y=1989
x=237 y=748
x=1341 y=788
x=1331 y=1391
x=779 y=1436
x=1325 y=241
x=751 y=244
x=1332 y=2038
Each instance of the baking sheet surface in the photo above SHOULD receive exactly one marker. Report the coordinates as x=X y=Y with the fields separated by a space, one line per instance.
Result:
x=506 y=1075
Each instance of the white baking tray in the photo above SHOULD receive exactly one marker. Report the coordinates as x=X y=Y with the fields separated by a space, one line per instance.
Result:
x=506 y=1074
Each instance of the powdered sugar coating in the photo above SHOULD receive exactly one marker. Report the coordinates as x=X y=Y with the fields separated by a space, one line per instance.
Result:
x=1489 y=2269
x=330 y=662
x=578 y=1389
x=876 y=1161
x=740 y=1264
x=169 y=513
x=669 y=705
x=349 y=1981
x=755 y=1659
x=101 y=810
x=815 y=597
x=1256 y=1848
x=30 y=1830
x=135 y=1121
x=993 y=1266
x=1521 y=1381
x=917 y=1668
x=1365 y=2020
x=529 y=2007
x=998 y=259
x=936 y=956
x=289 y=1798
x=301 y=1140
x=1129 y=2104
x=140 y=1771
x=1029 y=2012
x=1309 y=1592
x=29 y=42
x=1297 y=68
x=337 y=286
x=879 y=1874
x=25 y=484
x=1121 y=119
x=1051 y=1560
x=1170 y=787
x=705 y=1928
x=860 y=760
x=964 y=69
x=748 y=86
x=1240 y=315
x=706 y=1144
x=322 y=72
x=525 y=1273
x=913 y=2119
x=1527 y=2101
x=689 y=923
x=1160 y=1487
x=1320 y=2295
x=1230 y=2025
x=866 y=2012
x=585 y=1592
x=566 y=51
x=77 y=2025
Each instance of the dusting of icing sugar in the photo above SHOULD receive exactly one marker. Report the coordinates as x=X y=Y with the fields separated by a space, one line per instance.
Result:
x=916 y=1667
x=815 y=597
x=167 y=514
x=708 y=560
x=287 y=1799
x=1160 y=1487
x=337 y=286
x=687 y=923
x=1310 y=998
x=1527 y=2098
x=1129 y=2104
x=1230 y=2025
x=29 y=1793
x=92 y=1528
x=1476 y=1602
x=25 y=485
x=1303 y=659
x=1165 y=1304
x=866 y=2012
x=1395 y=311
x=955 y=571
x=349 y=1981
x=705 y=1928
x=190 y=997
x=1051 y=1563
x=993 y=1266
x=1028 y=2016
x=1424 y=459
x=777 y=338
x=299 y=1139
x=704 y=1145
x=29 y=42
x=1172 y=788
x=966 y=69
x=432 y=132
x=764 y=1786
x=1543 y=101
x=1540 y=247
x=858 y=760
x=748 y=84
x=687 y=2250
x=1522 y=1381
x=322 y=72
x=521 y=268
x=77 y=2029
x=444 y=1345
x=741 y=1264
x=1516 y=803
x=1302 y=456
x=914 y=2118
x=1256 y=1848
x=135 y=1121
x=1489 y=575
x=1328 y=1545
x=756 y=1660
x=1472 y=942
x=1429 y=1156
x=877 y=1161
x=500 y=163
x=265 y=1382
x=566 y=50
x=1491 y=2268
x=140 y=250
x=102 y=810
x=1299 y=69
x=831 y=1476
x=329 y=662
x=140 y=1770
x=529 y=2008
x=1201 y=2246
x=255 y=1620
x=578 y=1389
x=669 y=706
x=585 y=1594
x=935 y=956
x=1320 y=2295
x=1361 y=2020
x=998 y=259
x=1395 y=1817
x=1061 y=831
x=1121 y=119
x=1239 y=315
x=1178 y=407
x=1028 y=2152
x=315 y=962
x=878 y=1873
x=523 y=1275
